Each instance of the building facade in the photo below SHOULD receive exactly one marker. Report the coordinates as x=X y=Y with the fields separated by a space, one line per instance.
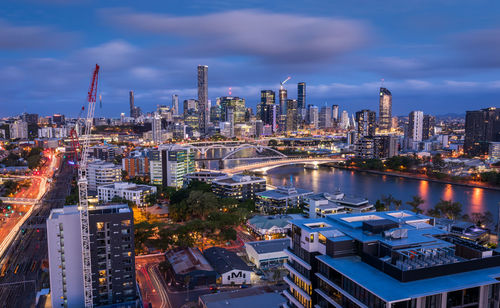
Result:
x=128 y=191
x=18 y=130
x=280 y=200
x=481 y=127
x=112 y=256
x=176 y=162
x=387 y=260
x=102 y=173
x=385 y=110
x=239 y=187
x=203 y=96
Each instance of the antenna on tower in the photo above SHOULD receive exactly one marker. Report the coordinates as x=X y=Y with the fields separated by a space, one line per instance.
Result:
x=382 y=82
x=230 y=92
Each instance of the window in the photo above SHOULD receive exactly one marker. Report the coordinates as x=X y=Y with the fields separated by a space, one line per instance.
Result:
x=100 y=226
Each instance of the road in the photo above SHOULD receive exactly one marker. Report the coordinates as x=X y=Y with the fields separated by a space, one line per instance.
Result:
x=21 y=266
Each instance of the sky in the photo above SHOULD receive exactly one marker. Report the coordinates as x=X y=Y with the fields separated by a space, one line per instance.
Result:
x=439 y=56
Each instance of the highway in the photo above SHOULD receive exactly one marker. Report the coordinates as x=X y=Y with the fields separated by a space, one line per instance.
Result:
x=23 y=267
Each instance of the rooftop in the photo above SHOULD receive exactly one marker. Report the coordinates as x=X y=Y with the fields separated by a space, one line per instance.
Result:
x=270 y=246
x=238 y=179
x=187 y=260
x=282 y=193
x=267 y=222
x=224 y=260
x=127 y=186
x=245 y=298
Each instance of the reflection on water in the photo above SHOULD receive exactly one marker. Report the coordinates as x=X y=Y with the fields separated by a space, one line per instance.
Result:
x=373 y=186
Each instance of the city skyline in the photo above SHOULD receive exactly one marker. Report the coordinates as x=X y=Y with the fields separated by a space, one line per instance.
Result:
x=154 y=49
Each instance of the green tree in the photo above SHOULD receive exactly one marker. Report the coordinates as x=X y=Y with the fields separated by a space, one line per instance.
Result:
x=415 y=204
x=448 y=209
x=397 y=204
x=387 y=200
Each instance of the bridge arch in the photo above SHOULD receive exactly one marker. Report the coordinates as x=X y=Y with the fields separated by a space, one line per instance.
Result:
x=257 y=147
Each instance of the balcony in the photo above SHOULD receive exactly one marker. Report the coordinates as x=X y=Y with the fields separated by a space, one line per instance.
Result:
x=295 y=258
x=296 y=273
x=292 y=299
x=296 y=288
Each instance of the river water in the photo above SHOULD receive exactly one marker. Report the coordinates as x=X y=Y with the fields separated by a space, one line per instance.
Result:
x=373 y=186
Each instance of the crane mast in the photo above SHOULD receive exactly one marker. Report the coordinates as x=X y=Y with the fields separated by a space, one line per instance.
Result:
x=83 y=193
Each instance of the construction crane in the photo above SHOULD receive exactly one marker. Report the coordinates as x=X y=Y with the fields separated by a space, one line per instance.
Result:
x=83 y=193
x=75 y=144
x=284 y=81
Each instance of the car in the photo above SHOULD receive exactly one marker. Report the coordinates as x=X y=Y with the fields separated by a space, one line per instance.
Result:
x=244 y=286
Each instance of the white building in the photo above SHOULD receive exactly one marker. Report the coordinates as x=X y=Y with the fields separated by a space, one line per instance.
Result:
x=155 y=172
x=65 y=257
x=102 y=173
x=177 y=161
x=319 y=205
x=18 y=130
x=268 y=254
x=53 y=132
x=129 y=191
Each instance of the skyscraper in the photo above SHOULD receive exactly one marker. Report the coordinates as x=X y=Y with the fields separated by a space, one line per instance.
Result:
x=283 y=96
x=131 y=102
x=481 y=128
x=268 y=108
x=292 y=115
x=365 y=122
x=111 y=252
x=414 y=131
x=203 y=96
x=175 y=104
x=301 y=95
x=428 y=127
x=313 y=116
x=238 y=105
x=335 y=113
x=385 y=109
x=156 y=128
x=344 y=120
x=325 y=117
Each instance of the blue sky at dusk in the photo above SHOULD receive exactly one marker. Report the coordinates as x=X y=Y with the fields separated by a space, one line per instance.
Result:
x=438 y=56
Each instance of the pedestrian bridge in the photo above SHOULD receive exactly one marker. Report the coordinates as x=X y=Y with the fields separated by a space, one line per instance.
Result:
x=263 y=167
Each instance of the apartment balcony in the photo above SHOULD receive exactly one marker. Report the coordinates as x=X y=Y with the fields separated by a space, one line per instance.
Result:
x=296 y=273
x=295 y=258
x=296 y=288
x=292 y=299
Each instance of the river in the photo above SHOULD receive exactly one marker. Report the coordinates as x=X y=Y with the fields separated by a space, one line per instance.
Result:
x=373 y=186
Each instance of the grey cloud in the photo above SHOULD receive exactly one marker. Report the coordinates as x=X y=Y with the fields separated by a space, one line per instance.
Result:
x=274 y=38
x=15 y=37
x=479 y=48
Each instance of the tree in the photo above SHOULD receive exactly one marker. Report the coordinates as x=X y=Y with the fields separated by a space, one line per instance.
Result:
x=379 y=206
x=415 y=204
x=397 y=204
x=387 y=200
x=448 y=209
x=481 y=219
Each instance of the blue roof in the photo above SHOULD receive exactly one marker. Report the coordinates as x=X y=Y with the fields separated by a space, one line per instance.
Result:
x=390 y=289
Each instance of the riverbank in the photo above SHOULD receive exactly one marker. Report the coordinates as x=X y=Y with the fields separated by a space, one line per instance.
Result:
x=419 y=177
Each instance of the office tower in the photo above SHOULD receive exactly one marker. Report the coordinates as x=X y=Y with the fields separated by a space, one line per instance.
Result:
x=248 y=114
x=325 y=117
x=344 y=120
x=292 y=115
x=428 y=127
x=58 y=119
x=190 y=105
x=385 y=109
x=365 y=122
x=176 y=162
x=102 y=173
x=230 y=117
x=111 y=252
x=203 y=97
x=156 y=128
x=335 y=113
x=301 y=95
x=481 y=128
x=175 y=104
x=313 y=116
x=238 y=106
x=133 y=110
x=283 y=96
x=415 y=126
x=267 y=108
x=259 y=129
x=216 y=114
x=18 y=130
x=365 y=260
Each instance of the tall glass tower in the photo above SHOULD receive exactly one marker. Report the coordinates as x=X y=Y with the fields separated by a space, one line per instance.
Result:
x=385 y=110
x=203 y=96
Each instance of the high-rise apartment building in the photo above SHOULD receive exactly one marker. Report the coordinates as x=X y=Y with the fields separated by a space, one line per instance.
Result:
x=156 y=128
x=176 y=161
x=481 y=128
x=325 y=117
x=175 y=104
x=313 y=116
x=365 y=122
x=111 y=229
x=30 y=118
x=18 y=130
x=415 y=126
x=190 y=106
x=135 y=112
x=102 y=173
x=292 y=115
x=385 y=109
x=428 y=127
x=203 y=97
x=335 y=113
x=344 y=120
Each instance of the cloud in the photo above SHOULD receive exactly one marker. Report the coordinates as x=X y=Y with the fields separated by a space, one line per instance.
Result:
x=271 y=37
x=15 y=37
x=480 y=48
